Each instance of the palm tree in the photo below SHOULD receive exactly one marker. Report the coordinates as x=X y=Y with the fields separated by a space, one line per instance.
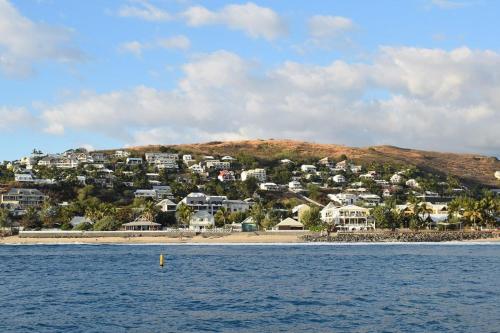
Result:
x=184 y=213
x=150 y=211
x=425 y=212
x=222 y=215
x=488 y=207
x=258 y=214
x=474 y=213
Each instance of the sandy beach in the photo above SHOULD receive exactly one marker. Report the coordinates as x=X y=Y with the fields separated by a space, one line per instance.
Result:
x=235 y=238
x=230 y=238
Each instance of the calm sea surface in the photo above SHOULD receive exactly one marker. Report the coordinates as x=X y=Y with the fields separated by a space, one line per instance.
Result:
x=282 y=288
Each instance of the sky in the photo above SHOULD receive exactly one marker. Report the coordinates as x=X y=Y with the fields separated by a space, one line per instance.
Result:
x=108 y=74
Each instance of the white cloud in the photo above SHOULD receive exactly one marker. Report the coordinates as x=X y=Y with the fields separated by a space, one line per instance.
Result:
x=12 y=118
x=255 y=21
x=327 y=32
x=24 y=42
x=429 y=98
x=321 y=26
x=449 y=4
x=133 y=47
x=142 y=9
x=177 y=42
x=180 y=42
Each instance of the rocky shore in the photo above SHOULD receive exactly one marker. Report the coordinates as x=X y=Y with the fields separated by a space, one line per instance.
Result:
x=409 y=236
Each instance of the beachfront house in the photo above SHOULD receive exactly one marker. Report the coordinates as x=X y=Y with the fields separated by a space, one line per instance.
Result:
x=347 y=218
x=141 y=224
x=201 y=221
x=288 y=224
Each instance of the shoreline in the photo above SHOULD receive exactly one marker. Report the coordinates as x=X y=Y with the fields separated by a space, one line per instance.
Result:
x=240 y=238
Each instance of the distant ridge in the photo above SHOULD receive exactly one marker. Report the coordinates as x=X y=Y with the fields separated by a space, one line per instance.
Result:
x=471 y=168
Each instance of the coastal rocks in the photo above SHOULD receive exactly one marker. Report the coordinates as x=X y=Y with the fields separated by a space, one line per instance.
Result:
x=410 y=236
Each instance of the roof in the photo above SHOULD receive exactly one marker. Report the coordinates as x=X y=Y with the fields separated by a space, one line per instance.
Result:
x=141 y=222
x=289 y=222
x=77 y=220
x=300 y=207
x=248 y=220
x=25 y=191
x=166 y=202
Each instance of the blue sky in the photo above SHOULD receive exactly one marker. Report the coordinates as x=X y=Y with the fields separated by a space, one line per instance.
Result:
x=102 y=74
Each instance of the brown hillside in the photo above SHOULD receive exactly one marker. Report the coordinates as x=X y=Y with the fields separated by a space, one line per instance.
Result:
x=468 y=167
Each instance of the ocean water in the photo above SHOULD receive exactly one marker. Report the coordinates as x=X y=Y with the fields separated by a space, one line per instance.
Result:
x=282 y=288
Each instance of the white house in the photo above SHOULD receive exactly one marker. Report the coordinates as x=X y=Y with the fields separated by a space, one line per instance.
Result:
x=23 y=177
x=236 y=205
x=201 y=221
x=212 y=203
x=295 y=186
x=153 y=158
x=356 y=168
x=367 y=176
x=371 y=200
x=497 y=174
x=146 y=194
x=133 y=160
x=339 y=179
x=22 y=197
x=343 y=199
x=396 y=179
x=167 y=205
x=187 y=158
x=217 y=165
x=347 y=218
x=166 y=164
x=163 y=191
x=412 y=183
x=259 y=174
x=269 y=187
x=228 y=158
x=226 y=176
x=196 y=168
x=122 y=153
x=307 y=168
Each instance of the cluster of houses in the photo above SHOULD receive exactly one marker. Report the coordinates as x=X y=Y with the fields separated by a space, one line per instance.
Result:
x=348 y=208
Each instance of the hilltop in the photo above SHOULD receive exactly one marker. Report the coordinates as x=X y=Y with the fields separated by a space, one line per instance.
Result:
x=470 y=168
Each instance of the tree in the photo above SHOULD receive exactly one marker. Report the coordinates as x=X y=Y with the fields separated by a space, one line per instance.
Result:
x=31 y=219
x=473 y=213
x=222 y=216
x=311 y=217
x=107 y=223
x=150 y=211
x=48 y=215
x=184 y=213
x=258 y=214
x=386 y=217
x=5 y=221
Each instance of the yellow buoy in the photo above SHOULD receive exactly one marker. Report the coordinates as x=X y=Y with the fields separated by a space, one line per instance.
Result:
x=161 y=260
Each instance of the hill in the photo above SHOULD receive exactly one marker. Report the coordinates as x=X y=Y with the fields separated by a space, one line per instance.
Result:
x=470 y=168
